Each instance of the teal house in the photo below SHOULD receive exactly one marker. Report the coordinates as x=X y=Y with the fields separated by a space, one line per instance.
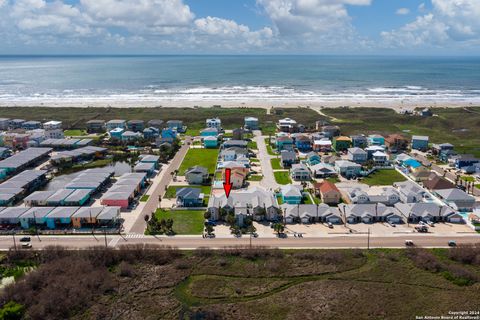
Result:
x=35 y=217
x=313 y=158
x=3 y=174
x=376 y=140
x=284 y=143
x=209 y=132
x=210 y=142
x=291 y=194
x=116 y=133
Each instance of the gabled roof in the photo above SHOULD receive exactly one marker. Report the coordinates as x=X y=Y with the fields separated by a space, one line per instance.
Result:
x=437 y=183
x=188 y=193
x=454 y=194
x=197 y=170
x=328 y=186
x=291 y=191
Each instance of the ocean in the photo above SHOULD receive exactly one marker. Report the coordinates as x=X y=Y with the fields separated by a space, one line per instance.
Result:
x=33 y=79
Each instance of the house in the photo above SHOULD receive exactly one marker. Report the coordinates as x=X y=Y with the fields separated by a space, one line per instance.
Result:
x=422 y=174
x=427 y=112
x=330 y=159
x=86 y=217
x=438 y=148
x=327 y=214
x=372 y=149
x=176 y=125
x=284 y=143
x=237 y=134
x=251 y=123
x=129 y=136
x=401 y=158
x=380 y=159
x=233 y=153
x=114 y=124
x=60 y=217
x=304 y=213
x=148 y=168
x=11 y=216
x=409 y=191
x=255 y=201
x=287 y=125
x=370 y=213
x=291 y=194
x=329 y=193
x=168 y=134
x=387 y=196
x=330 y=131
x=446 y=155
x=322 y=145
x=149 y=158
x=323 y=170
x=457 y=199
x=237 y=178
x=209 y=132
x=214 y=123
x=53 y=130
x=136 y=125
x=210 y=142
x=156 y=123
x=300 y=172
x=375 y=140
x=313 y=158
x=416 y=212
x=302 y=143
x=341 y=143
x=4 y=123
x=347 y=169
x=189 y=197
x=96 y=126
x=287 y=158
x=197 y=175
x=465 y=160
x=420 y=143
x=357 y=155
x=396 y=142
x=15 y=124
x=31 y=125
x=436 y=183
x=235 y=144
x=116 y=133
x=151 y=133
x=35 y=217
x=359 y=141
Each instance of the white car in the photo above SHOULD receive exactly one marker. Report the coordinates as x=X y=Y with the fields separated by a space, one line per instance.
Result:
x=26 y=245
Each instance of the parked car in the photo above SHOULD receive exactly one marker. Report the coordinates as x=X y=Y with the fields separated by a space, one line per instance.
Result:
x=452 y=243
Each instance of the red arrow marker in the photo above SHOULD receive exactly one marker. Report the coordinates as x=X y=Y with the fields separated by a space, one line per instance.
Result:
x=227 y=185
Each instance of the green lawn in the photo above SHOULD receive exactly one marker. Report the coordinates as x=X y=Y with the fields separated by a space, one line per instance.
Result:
x=468 y=178
x=282 y=177
x=254 y=160
x=383 y=177
x=477 y=186
x=171 y=190
x=184 y=221
x=75 y=133
x=202 y=157
x=144 y=198
x=276 y=164
x=307 y=199
x=192 y=132
x=252 y=145
x=255 y=177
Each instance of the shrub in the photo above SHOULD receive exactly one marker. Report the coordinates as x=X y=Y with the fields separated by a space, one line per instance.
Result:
x=424 y=259
x=125 y=269
x=466 y=253
x=12 y=311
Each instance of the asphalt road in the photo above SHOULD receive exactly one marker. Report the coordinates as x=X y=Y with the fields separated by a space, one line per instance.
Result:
x=268 y=180
x=192 y=242
x=152 y=202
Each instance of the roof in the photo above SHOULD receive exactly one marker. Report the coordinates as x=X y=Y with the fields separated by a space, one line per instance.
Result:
x=37 y=212
x=197 y=170
x=109 y=213
x=12 y=212
x=357 y=151
x=424 y=209
x=62 y=212
x=87 y=212
x=423 y=138
x=343 y=138
x=188 y=193
x=252 y=197
x=78 y=195
x=438 y=182
x=454 y=194
x=39 y=196
x=346 y=163
x=291 y=190
x=328 y=186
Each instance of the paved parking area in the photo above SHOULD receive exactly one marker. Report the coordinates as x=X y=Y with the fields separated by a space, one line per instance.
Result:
x=380 y=228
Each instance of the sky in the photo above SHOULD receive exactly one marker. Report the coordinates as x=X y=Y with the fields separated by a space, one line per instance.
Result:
x=364 y=27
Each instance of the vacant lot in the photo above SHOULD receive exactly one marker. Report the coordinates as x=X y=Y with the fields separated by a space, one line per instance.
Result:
x=383 y=178
x=275 y=164
x=199 y=157
x=282 y=177
x=184 y=221
x=149 y=282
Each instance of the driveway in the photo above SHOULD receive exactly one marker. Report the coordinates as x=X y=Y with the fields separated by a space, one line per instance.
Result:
x=268 y=180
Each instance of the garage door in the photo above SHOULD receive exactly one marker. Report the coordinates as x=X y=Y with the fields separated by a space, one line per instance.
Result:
x=393 y=220
x=456 y=220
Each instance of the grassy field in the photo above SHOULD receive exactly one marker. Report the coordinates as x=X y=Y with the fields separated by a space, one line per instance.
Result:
x=172 y=190
x=468 y=178
x=184 y=221
x=383 y=178
x=458 y=126
x=75 y=133
x=199 y=157
x=234 y=283
x=252 y=145
x=282 y=177
x=275 y=162
x=255 y=177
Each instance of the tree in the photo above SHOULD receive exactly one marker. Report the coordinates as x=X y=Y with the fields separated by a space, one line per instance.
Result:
x=278 y=228
x=163 y=224
x=207 y=215
x=146 y=218
x=208 y=228
x=231 y=220
x=169 y=225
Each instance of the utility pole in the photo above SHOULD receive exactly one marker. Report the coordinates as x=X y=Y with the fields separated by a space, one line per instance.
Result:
x=105 y=234
x=368 y=240
x=14 y=242
x=35 y=223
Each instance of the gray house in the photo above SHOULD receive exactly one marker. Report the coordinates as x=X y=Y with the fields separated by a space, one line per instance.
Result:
x=370 y=213
x=197 y=175
x=288 y=158
x=300 y=172
x=416 y=212
x=457 y=199
x=357 y=155
x=310 y=213
x=409 y=191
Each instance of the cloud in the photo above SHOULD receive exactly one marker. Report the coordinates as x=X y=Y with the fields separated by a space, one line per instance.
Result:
x=402 y=11
x=448 y=22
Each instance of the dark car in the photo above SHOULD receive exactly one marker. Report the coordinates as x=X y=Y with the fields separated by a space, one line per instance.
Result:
x=25 y=239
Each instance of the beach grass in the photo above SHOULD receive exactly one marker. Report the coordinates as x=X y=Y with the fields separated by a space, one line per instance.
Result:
x=282 y=177
x=199 y=157
x=184 y=221
x=384 y=177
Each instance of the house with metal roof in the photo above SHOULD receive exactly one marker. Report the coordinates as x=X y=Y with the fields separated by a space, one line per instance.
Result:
x=11 y=216
x=60 y=217
x=416 y=212
x=35 y=217
x=457 y=199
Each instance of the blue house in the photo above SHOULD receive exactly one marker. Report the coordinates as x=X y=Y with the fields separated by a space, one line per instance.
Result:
x=148 y=158
x=3 y=174
x=313 y=158
x=420 y=142
x=465 y=160
x=60 y=217
x=291 y=194
x=151 y=133
x=169 y=133
x=210 y=142
x=189 y=197
x=116 y=133
x=251 y=123
x=376 y=140
x=35 y=217
x=284 y=143
x=209 y=132
x=303 y=143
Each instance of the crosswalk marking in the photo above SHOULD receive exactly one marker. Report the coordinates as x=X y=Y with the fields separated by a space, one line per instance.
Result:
x=135 y=236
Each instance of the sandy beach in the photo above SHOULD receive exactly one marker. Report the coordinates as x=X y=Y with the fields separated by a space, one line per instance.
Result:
x=260 y=103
